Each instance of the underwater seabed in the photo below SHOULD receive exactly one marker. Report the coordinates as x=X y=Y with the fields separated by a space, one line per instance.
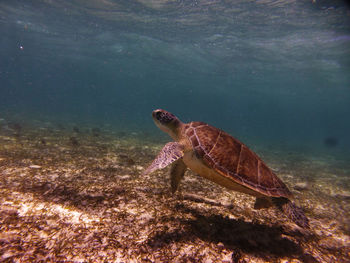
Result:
x=76 y=194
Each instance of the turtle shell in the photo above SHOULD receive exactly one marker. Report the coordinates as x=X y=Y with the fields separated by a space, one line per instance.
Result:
x=233 y=160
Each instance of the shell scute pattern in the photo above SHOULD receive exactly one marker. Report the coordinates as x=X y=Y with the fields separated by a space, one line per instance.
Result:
x=190 y=133
x=233 y=159
x=248 y=164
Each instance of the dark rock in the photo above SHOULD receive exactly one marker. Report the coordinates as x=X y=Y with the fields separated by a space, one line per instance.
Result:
x=237 y=256
x=307 y=258
x=76 y=129
x=74 y=141
x=121 y=134
x=95 y=132
x=302 y=186
x=130 y=161
x=330 y=142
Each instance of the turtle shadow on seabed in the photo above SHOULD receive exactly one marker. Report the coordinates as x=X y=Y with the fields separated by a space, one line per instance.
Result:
x=266 y=242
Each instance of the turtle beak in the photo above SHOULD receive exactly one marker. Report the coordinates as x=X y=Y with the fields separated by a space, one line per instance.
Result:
x=161 y=116
x=156 y=116
x=154 y=113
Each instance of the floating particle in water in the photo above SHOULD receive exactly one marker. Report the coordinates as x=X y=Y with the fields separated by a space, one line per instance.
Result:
x=330 y=141
x=74 y=141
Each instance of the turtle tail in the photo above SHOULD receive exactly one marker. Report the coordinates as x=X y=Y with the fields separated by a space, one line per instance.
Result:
x=292 y=211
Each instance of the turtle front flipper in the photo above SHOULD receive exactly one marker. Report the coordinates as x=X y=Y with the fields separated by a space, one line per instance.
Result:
x=171 y=152
x=176 y=174
x=292 y=211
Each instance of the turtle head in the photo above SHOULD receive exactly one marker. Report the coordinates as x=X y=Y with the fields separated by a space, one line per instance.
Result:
x=167 y=122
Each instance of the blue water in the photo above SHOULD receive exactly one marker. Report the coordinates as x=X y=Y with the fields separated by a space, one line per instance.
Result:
x=269 y=72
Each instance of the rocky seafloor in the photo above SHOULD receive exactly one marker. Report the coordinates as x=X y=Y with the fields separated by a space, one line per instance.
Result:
x=73 y=194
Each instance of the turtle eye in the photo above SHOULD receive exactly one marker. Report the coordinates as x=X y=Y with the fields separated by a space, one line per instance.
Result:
x=163 y=117
x=158 y=115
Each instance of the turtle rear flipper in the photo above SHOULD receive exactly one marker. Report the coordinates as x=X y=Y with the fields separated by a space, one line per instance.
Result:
x=176 y=174
x=292 y=211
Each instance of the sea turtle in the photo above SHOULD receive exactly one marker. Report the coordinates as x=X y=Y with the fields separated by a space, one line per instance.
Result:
x=217 y=156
